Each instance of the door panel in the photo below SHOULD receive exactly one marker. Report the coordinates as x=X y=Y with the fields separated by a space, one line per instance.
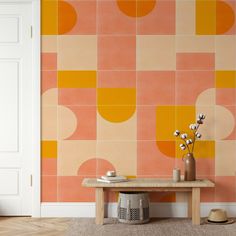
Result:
x=15 y=108
x=9 y=91
x=10 y=187
x=10 y=26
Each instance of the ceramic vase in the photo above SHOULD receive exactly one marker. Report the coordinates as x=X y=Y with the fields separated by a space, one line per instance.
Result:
x=189 y=167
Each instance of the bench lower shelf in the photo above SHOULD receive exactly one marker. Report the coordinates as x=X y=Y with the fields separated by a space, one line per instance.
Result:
x=191 y=189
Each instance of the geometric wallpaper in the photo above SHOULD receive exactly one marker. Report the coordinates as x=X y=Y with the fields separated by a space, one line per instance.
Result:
x=119 y=76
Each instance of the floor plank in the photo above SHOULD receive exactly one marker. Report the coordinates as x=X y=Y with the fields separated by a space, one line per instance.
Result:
x=27 y=226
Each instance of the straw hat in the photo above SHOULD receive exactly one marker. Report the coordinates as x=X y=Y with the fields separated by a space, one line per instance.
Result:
x=218 y=216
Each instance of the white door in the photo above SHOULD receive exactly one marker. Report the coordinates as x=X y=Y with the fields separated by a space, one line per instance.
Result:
x=15 y=108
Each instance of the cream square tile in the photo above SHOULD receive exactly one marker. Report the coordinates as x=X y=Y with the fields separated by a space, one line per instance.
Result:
x=225 y=160
x=121 y=154
x=185 y=17
x=186 y=43
x=156 y=53
x=49 y=123
x=49 y=43
x=77 y=52
x=72 y=154
x=225 y=53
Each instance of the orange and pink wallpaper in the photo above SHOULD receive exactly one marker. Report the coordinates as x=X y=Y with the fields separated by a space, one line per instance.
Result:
x=119 y=76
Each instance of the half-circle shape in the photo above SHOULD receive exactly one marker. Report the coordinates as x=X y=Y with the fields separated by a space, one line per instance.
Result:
x=67 y=122
x=213 y=17
x=138 y=8
x=95 y=166
x=67 y=17
x=116 y=113
x=207 y=97
x=167 y=148
x=224 y=121
x=225 y=17
x=116 y=104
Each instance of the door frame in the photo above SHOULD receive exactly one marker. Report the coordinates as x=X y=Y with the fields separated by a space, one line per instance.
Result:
x=36 y=116
x=36 y=103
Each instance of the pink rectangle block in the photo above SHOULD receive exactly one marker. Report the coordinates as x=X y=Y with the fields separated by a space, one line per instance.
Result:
x=116 y=79
x=49 y=166
x=225 y=96
x=195 y=61
x=71 y=190
x=225 y=190
x=49 y=189
x=116 y=52
x=48 y=80
x=77 y=96
x=156 y=88
x=49 y=61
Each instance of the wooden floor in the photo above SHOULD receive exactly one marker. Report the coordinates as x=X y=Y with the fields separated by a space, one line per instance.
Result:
x=27 y=226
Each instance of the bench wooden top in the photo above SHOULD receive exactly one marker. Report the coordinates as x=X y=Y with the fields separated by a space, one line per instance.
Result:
x=148 y=183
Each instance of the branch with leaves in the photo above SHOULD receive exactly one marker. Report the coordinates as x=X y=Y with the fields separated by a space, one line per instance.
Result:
x=188 y=143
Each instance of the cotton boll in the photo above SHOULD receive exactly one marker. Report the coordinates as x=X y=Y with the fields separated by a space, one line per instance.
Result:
x=182 y=146
x=198 y=135
x=193 y=126
x=184 y=136
x=176 y=133
x=201 y=116
x=189 y=141
x=190 y=126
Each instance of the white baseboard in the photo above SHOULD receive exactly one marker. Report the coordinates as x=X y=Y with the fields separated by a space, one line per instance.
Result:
x=74 y=209
x=87 y=209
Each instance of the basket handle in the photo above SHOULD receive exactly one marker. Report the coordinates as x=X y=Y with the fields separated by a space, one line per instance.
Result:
x=118 y=209
x=128 y=209
x=141 y=209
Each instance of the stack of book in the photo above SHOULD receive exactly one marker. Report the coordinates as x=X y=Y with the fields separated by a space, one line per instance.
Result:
x=115 y=179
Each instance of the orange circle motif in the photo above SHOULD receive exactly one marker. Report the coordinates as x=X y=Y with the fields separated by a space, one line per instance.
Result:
x=136 y=8
x=225 y=17
x=67 y=17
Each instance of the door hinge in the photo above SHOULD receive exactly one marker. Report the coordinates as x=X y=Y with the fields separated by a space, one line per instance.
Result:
x=31 y=180
x=31 y=31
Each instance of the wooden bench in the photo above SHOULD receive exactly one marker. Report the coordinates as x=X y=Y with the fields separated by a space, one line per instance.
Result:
x=191 y=188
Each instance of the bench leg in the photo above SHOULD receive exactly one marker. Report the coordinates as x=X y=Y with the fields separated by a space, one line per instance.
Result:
x=189 y=195
x=99 y=206
x=196 y=206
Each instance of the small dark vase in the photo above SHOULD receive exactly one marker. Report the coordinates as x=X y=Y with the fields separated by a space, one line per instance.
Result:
x=189 y=167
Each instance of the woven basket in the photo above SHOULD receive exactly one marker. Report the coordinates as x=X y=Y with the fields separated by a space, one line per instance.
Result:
x=133 y=207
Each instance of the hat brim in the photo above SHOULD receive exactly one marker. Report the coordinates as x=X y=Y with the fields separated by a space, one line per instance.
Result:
x=229 y=221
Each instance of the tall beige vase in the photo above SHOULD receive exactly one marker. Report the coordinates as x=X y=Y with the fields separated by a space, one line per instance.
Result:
x=189 y=167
